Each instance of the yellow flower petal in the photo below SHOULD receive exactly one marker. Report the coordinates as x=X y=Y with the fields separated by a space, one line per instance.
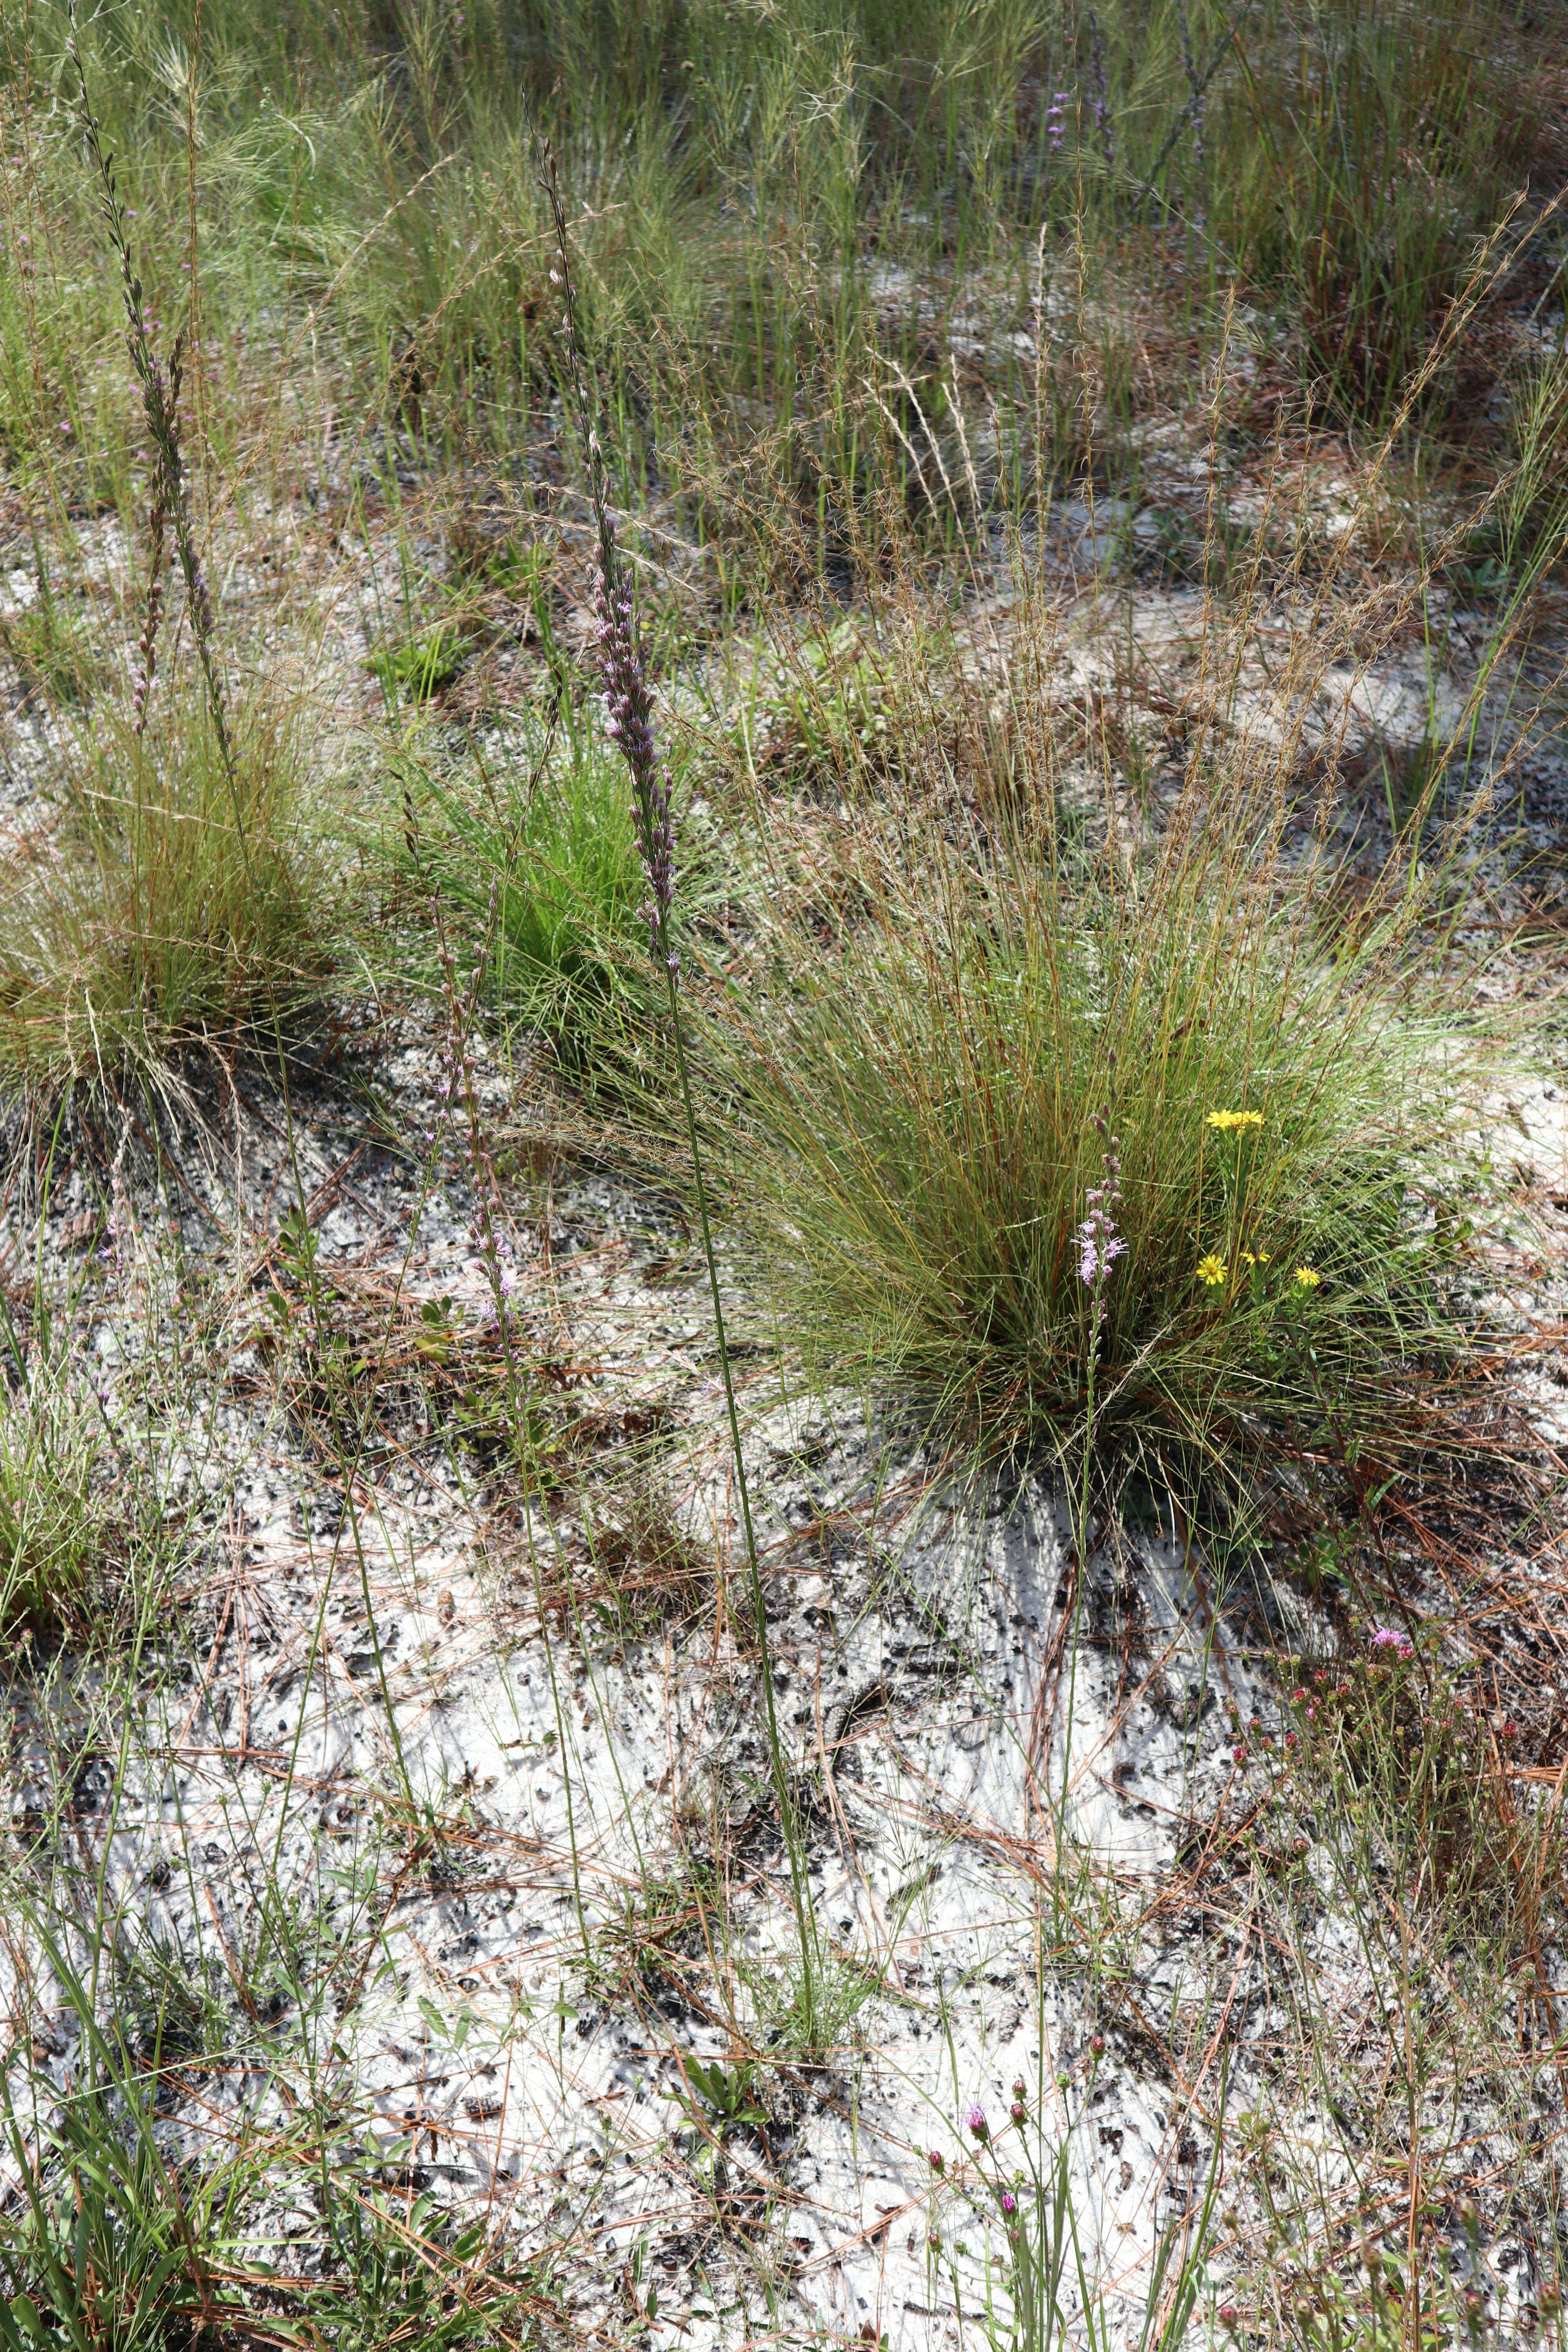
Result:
x=1211 y=1271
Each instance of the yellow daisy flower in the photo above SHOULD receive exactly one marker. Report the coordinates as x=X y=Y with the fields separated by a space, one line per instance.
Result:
x=1227 y=1120
x=1307 y=1278
x=1211 y=1271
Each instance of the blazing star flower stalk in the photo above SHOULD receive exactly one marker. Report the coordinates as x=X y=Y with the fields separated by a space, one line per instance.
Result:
x=627 y=699
x=628 y=721
x=458 y=1107
x=1099 y=1243
x=123 y=1236
x=457 y=1118
x=157 y=543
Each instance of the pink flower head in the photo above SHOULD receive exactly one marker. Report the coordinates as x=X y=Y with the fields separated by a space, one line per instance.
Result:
x=1009 y=2202
x=975 y=2119
x=1389 y=1637
x=1099 y=1245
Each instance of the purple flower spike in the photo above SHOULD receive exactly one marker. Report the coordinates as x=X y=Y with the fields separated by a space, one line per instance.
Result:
x=628 y=722
x=1098 y=1243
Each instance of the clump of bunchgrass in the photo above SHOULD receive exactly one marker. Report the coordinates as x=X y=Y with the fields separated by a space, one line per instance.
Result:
x=49 y=647
x=825 y=709
x=104 y=2243
x=930 y=1087
x=646 y=1570
x=184 y=902
x=422 y=667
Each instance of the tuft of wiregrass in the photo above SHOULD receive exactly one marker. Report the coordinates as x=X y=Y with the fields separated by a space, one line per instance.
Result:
x=179 y=906
x=956 y=1013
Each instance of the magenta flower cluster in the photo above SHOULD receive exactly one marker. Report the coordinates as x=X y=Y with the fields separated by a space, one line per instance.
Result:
x=1099 y=1245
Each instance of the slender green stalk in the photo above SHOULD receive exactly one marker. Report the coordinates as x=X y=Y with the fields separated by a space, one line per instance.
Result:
x=785 y=1793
